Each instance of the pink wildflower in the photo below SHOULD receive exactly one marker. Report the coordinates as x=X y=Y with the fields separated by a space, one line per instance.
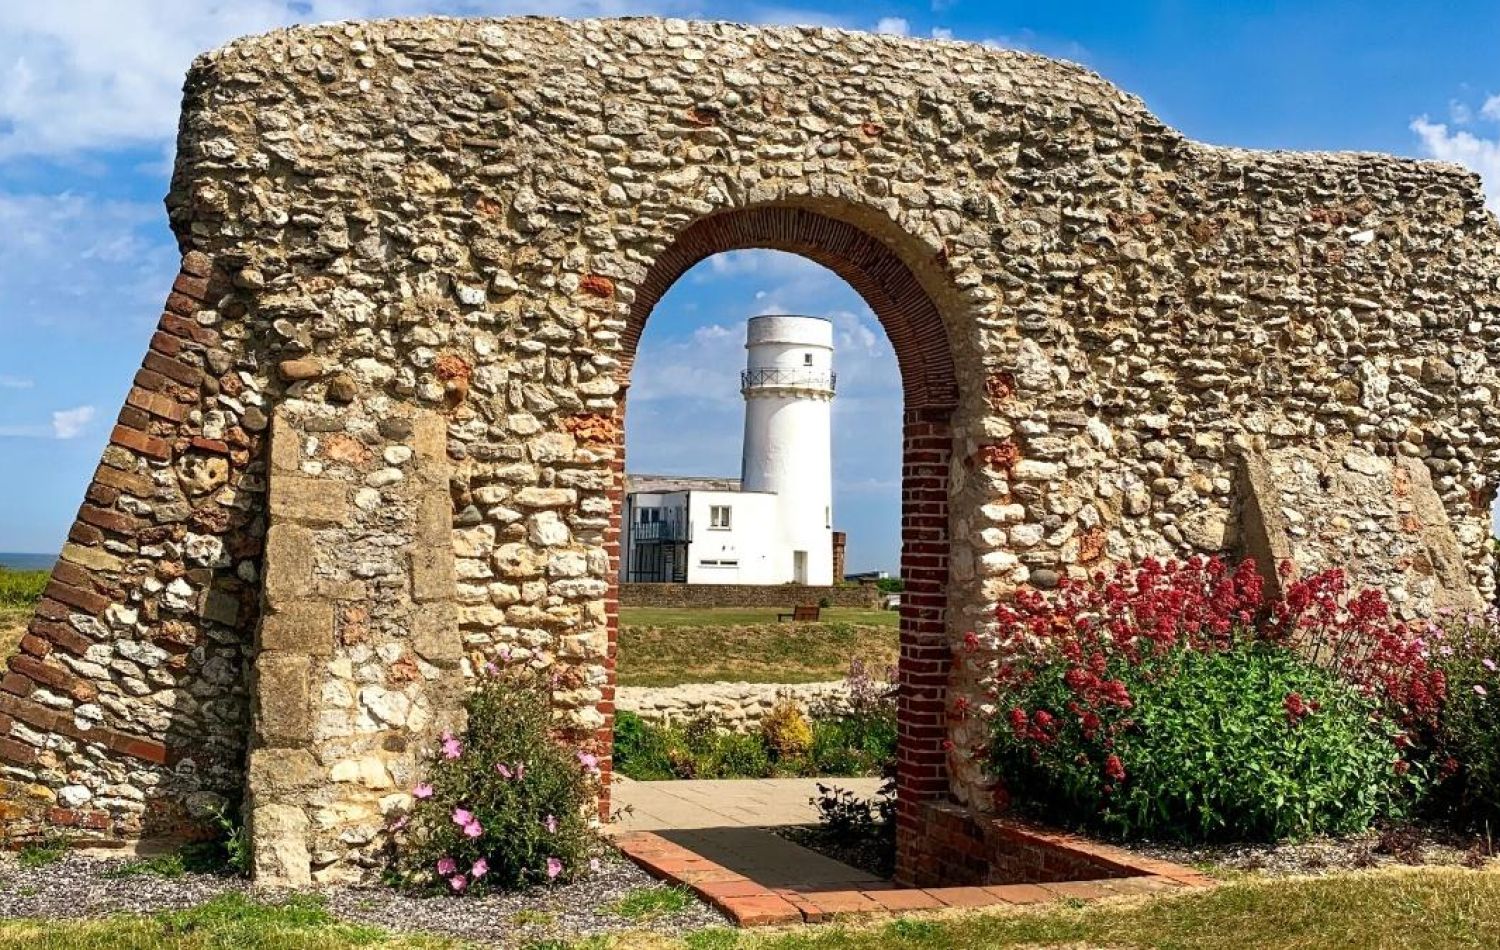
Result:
x=594 y=865
x=446 y=866
x=480 y=869
x=458 y=882
x=590 y=762
x=1480 y=690
x=503 y=769
x=452 y=747
x=554 y=868
x=473 y=829
x=462 y=817
x=1489 y=664
x=423 y=790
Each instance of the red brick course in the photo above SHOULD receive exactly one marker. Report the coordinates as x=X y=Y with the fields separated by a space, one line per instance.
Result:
x=750 y=904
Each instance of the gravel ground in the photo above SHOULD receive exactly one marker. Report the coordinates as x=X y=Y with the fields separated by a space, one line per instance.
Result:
x=80 y=886
x=1412 y=845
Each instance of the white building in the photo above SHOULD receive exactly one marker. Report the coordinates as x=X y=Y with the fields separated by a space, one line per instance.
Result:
x=774 y=525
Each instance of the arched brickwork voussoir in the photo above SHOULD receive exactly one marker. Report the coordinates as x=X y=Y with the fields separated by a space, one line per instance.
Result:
x=920 y=339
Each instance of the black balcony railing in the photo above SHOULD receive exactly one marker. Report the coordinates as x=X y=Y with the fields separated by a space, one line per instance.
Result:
x=669 y=530
x=793 y=378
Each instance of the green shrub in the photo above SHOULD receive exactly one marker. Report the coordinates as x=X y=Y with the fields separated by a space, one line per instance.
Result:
x=1470 y=726
x=21 y=588
x=504 y=806
x=642 y=751
x=847 y=744
x=1253 y=743
x=852 y=745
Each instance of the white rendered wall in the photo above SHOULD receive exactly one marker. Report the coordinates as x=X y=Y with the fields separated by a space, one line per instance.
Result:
x=788 y=436
x=749 y=542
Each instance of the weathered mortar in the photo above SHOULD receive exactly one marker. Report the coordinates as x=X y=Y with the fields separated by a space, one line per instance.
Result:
x=458 y=216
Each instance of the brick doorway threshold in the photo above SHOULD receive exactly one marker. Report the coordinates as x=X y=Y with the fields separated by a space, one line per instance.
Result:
x=757 y=878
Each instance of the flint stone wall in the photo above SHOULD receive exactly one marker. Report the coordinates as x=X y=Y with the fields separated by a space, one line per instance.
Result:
x=739 y=706
x=1100 y=326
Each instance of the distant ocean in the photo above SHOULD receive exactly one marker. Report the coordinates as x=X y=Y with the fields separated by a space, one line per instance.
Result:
x=27 y=562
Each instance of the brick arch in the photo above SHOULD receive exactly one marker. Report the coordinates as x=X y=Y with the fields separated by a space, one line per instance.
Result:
x=919 y=337
x=875 y=271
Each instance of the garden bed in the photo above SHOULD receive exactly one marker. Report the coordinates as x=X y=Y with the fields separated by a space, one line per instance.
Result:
x=1405 y=845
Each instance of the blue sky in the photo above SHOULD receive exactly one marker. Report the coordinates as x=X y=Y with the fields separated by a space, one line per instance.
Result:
x=89 y=91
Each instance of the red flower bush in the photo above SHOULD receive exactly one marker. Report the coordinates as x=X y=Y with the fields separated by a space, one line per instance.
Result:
x=1075 y=663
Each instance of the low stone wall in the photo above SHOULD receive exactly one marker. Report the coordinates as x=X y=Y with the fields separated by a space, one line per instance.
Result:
x=785 y=596
x=740 y=705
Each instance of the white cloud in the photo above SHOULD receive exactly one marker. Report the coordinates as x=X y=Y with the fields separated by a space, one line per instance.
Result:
x=16 y=382
x=66 y=424
x=1491 y=109
x=70 y=423
x=1464 y=148
x=67 y=258
x=894 y=25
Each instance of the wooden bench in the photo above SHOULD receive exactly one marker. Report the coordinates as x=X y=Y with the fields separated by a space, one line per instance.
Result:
x=802 y=613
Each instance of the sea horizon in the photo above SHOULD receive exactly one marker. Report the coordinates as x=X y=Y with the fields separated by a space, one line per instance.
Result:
x=21 y=561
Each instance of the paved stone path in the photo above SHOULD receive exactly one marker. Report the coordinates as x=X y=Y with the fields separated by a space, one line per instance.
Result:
x=724 y=821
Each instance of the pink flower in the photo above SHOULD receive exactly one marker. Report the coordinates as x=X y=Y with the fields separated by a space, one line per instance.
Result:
x=1480 y=690
x=480 y=869
x=491 y=669
x=594 y=865
x=423 y=790
x=452 y=747
x=446 y=866
x=1490 y=665
x=473 y=830
x=590 y=762
x=462 y=817
x=554 y=868
x=551 y=825
x=458 y=882
x=503 y=769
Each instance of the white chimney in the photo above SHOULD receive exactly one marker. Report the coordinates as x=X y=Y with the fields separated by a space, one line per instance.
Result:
x=788 y=386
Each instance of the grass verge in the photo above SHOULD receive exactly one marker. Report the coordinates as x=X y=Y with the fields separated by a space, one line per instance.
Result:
x=12 y=625
x=227 y=921
x=740 y=647
x=1428 y=909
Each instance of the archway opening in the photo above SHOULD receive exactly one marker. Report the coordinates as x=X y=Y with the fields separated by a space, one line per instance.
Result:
x=899 y=301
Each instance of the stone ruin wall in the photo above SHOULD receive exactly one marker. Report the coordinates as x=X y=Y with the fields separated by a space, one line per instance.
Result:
x=449 y=220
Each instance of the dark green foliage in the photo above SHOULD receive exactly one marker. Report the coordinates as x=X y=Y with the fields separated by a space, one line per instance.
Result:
x=844 y=745
x=890 y=585
x=1214 y=753
x=1470 y=729
x=529 y=796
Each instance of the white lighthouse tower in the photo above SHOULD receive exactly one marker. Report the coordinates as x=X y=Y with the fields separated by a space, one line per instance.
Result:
x=788 y=384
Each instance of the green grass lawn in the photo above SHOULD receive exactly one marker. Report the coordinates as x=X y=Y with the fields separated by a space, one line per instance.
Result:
x=1428 y=909
x=744 y=616
x=665 y=647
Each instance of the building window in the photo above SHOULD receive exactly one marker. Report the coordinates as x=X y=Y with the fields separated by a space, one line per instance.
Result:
x=650 y=515
x=827 y=517
x=718 y=516
x=722 y=562
x=806 y=359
